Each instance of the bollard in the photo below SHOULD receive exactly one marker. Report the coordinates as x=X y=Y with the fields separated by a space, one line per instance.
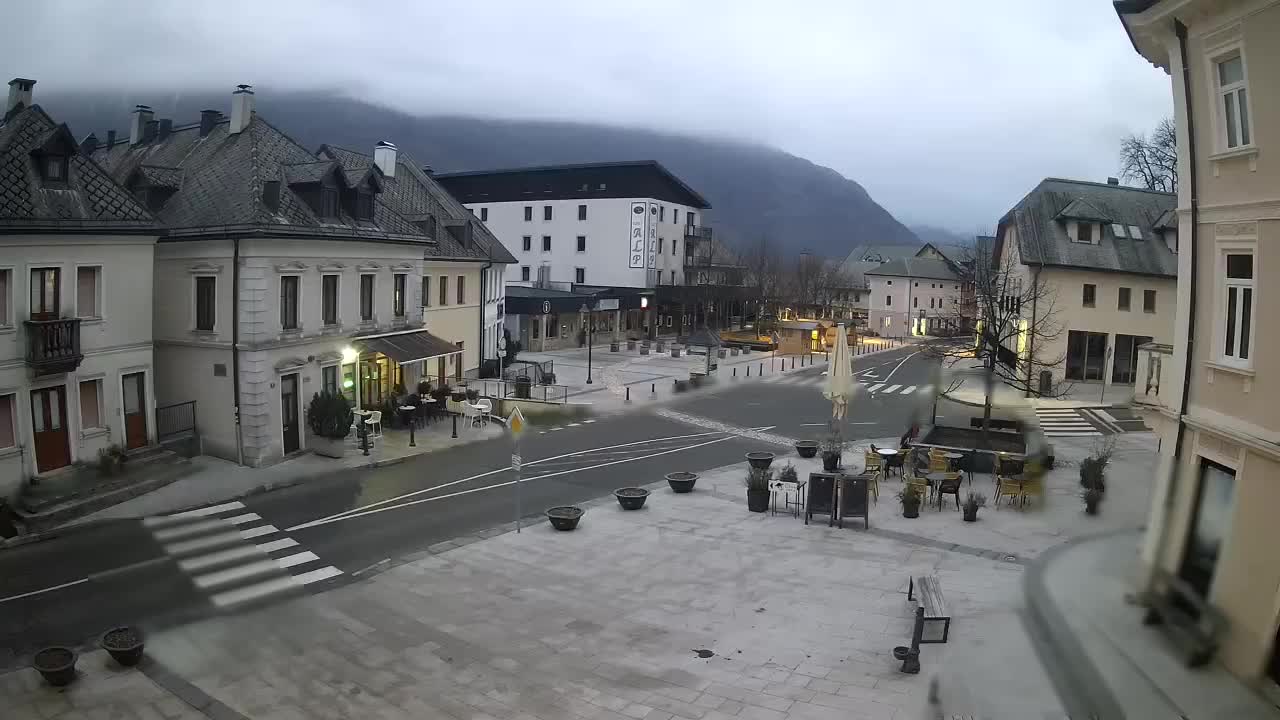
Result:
x=411 y=424
x=364 y=436
x=793 y=363
x=653 y=387
x=628 y=393
x=760 y=370
x=748 y=371
x=455 y=426
x=735 y=372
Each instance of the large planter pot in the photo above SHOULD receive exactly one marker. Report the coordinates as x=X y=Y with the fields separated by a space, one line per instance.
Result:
x=734 y=351
x=565 y=517
x=830 y=461
x=644 y=349
x=757 y=500
x=760 y=460
x=911 y=510
x=807 y=448
x=722 y=353
x=631 y=498
x=1091 y=508
x=746 y=351
x=124 y=644
x=57 y=665
x=661 y=346
x=675 y=352
x=631 y=344
x=327 y=447
x=613 y=347
x=522 y=387
x=681 y=482
x=458 y=396
x=970 y=515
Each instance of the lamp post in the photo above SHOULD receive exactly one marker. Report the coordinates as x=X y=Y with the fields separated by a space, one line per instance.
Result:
x=586 y=313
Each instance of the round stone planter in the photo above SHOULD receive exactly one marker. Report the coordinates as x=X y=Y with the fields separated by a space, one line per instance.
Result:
x=807 y=448
x=760 y=460
x=681 y=482
x=631 y=344
x=613 y=347
x=971 y=516
x=911 y=511
x=124 y=644
x=57 y=665
x=734 y=351
x=675 y=352
x=565 y=517
x=661 y=347
x=746 y=351
x=644 y=349
x=631 y=498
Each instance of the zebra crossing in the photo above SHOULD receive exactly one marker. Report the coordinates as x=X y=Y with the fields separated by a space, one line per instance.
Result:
x=814 y=380
x=235 y=557
x=1065 y=422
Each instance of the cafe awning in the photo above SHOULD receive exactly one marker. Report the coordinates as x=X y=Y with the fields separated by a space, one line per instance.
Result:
x=408 y=347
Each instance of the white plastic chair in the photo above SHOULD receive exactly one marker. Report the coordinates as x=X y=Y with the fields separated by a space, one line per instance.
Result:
x=374 y=423
x=471 y=413
x=485 y=406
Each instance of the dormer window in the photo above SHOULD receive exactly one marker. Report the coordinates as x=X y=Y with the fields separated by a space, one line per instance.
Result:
x=55 y=168
x=1084 y=233
x=329 y=202
x=364 y=205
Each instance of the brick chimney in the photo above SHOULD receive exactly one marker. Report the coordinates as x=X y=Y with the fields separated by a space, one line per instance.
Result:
x=384 y=156
x=19 y=92
x=166 y=127
x=138 y=125
x=208 y=119
x=1113 y=181
x=241 y=108
x=111 y=138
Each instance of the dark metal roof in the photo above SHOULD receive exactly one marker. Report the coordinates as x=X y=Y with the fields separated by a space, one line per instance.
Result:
x=638 y=179
x=407 y=347
x=916 y=267
x=89 y=200
x=1042 y=236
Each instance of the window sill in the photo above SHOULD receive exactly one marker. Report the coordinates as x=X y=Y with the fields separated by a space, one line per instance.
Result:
x=10 y=451
x=1233 y=369
x=8 y=329
x=1249 y=151
x=334 y=329
x=204 y=334
x=89 y=433
x=95 y=320
x=291 y=334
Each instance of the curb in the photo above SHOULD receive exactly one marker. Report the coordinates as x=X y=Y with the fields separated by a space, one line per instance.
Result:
x=1082 y=689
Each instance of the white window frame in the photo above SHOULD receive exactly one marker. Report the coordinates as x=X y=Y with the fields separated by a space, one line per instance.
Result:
x=8 y=323
x=1222 y=287
x=337 y=299
x=97 y=290
x=299 y=302
x=195 y=302
x=1215 y=57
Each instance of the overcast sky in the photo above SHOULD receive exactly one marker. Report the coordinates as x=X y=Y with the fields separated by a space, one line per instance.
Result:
x=946 y=112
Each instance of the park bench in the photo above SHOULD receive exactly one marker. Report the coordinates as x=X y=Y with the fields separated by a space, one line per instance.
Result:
x=937 y=618
x=1191 y=623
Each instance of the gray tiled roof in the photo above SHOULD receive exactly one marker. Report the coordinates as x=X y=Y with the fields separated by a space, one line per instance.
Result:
x=881 y=253
x=1042 y=238
x=917 y=268
x=855 y=271
x=90 y=199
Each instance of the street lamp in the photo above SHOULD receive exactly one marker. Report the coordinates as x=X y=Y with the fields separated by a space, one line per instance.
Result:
x=586 y=311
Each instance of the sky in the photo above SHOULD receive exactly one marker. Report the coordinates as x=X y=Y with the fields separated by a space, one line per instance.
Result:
x=946 y=112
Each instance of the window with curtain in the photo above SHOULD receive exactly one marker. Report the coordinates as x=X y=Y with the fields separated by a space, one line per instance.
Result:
x=87 y=287
x=397 y=294
x=329 y=299
x=91 y=404
x=1234 y=102
x=444 y=290
x=1237 y=313
x=206 y=303
x=289 y=302
x=366 y=298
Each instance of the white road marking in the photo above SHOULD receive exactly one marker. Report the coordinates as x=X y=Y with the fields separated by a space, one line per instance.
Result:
x=188 y=547
x=201 y=562
x=236 y=574
x=44 y=590
x=909 y=389
x=500 y=470
x=362 y=513
x=875 y=387
x=242 y=519
x=255 y=591
x=892 y=388
x=895 y=369
x=259 y=531
x=323 y=573
x=298 y=559
x=182 y=531
x=574 y=424
x=275 y=545
x=211 y=510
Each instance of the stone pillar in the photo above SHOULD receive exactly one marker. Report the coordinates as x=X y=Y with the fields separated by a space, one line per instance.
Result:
x=617 y=324
x=542 y=335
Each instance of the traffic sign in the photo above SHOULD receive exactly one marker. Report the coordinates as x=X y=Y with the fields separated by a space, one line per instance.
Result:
x=502 y=342
x=502 y=352
x=515 y=461
x=515 y=421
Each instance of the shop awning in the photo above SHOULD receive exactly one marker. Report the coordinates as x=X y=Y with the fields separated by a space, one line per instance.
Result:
x=408 y=347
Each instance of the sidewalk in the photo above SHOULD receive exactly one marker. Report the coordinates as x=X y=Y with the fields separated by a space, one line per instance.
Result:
x=216 y=480
x=1080 y=395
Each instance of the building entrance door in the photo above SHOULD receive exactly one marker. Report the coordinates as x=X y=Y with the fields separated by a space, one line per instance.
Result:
x=49 y=427
x=135 y=410
x=289 y=412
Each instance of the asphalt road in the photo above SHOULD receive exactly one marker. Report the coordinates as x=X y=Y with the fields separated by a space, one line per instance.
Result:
x=70 y=588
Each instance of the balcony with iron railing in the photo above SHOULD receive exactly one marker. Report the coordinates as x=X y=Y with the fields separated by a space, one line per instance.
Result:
x=53 y=346
x=697 y=232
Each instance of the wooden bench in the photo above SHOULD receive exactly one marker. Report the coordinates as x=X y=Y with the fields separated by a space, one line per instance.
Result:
x=937 y=618
x=1191 y=623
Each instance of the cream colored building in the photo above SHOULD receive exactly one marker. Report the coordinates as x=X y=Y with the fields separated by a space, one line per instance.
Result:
x=1104 y=257
x=76 y=370
x=283 y=272
x=1214 y=394
x=914 y=294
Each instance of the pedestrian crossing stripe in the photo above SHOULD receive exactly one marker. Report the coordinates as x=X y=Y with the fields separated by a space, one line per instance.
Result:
x=236 y=557
x=874 y=388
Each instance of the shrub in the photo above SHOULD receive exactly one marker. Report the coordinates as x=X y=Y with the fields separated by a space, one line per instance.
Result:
x=974 y=501
x=788 y=474
x=472 y=395
x=424 y=387
x=330 y=416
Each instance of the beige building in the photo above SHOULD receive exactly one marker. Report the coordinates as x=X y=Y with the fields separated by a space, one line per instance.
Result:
x=283 y=272
x=1212 y=395
x=1104 y=257
x=915 y=294
x=76 y=372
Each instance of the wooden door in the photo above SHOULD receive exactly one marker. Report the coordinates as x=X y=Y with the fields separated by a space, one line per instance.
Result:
x=135 y=410
x=289 y=412
x=49 y=427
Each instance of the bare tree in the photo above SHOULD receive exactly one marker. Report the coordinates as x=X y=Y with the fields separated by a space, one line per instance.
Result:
x=1013 y=317
x=1152 y=161
x=764 y=272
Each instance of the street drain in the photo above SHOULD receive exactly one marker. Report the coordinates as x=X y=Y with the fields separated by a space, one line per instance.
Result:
x=704 y=653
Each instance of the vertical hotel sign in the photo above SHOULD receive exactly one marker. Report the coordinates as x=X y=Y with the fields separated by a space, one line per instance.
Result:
x=653 y=236
x=639 y=235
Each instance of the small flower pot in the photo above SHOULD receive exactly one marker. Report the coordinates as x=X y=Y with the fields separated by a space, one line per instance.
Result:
x=57 y=665
x=807 y=448
x=681 y=482
x=565 y=517
x=760 y=460
x=746 y=351
x=734 y=351
x=613 y=347
x=830 y=461
x=970 y=515
x=644 y=349
x=757 y=500
x=911 y=511
x=631 y=498
x=124 y=644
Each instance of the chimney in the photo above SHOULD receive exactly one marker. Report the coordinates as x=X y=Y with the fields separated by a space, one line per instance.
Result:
x=111 y=138
x=166 y=127
x=150 y=130
x=208 y=118
x=241 y=108
x=19 y=92
x=89 y=144
x=141 y=116
x=384 y=156
x=1113 y=181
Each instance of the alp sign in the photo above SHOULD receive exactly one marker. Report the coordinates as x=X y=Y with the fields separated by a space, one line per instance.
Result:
x=639 y=235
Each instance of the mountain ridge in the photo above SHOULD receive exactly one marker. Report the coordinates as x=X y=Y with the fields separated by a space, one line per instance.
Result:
x=754 y=190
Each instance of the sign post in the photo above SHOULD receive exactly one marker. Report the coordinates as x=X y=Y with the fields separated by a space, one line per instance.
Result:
x=515 y=425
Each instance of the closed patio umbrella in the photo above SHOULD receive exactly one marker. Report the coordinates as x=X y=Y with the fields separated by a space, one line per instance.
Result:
x=840 y=387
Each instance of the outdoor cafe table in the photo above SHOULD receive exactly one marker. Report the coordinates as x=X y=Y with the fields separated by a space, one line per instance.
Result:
x=887 y=454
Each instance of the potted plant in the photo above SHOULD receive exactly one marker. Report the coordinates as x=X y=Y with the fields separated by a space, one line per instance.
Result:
x=57 y=665
x=1093 y=468
x=758 y=479
x=971 y=504
x=614 y=346
x=329 y=417
x=681 y=482
x=662 y=346
x=832 y=448
x=1092 y=499
x=565 y=517
x=910 y=499
x=440 y=393
x=111 y=460
x=472 y=395
x=806 y=448
x=631 y=498
x=644 y=348
x=760 y=460
x=124 y=644
x=631 y=344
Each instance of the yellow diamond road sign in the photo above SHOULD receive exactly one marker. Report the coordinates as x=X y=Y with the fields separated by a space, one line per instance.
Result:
x=515 y=422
